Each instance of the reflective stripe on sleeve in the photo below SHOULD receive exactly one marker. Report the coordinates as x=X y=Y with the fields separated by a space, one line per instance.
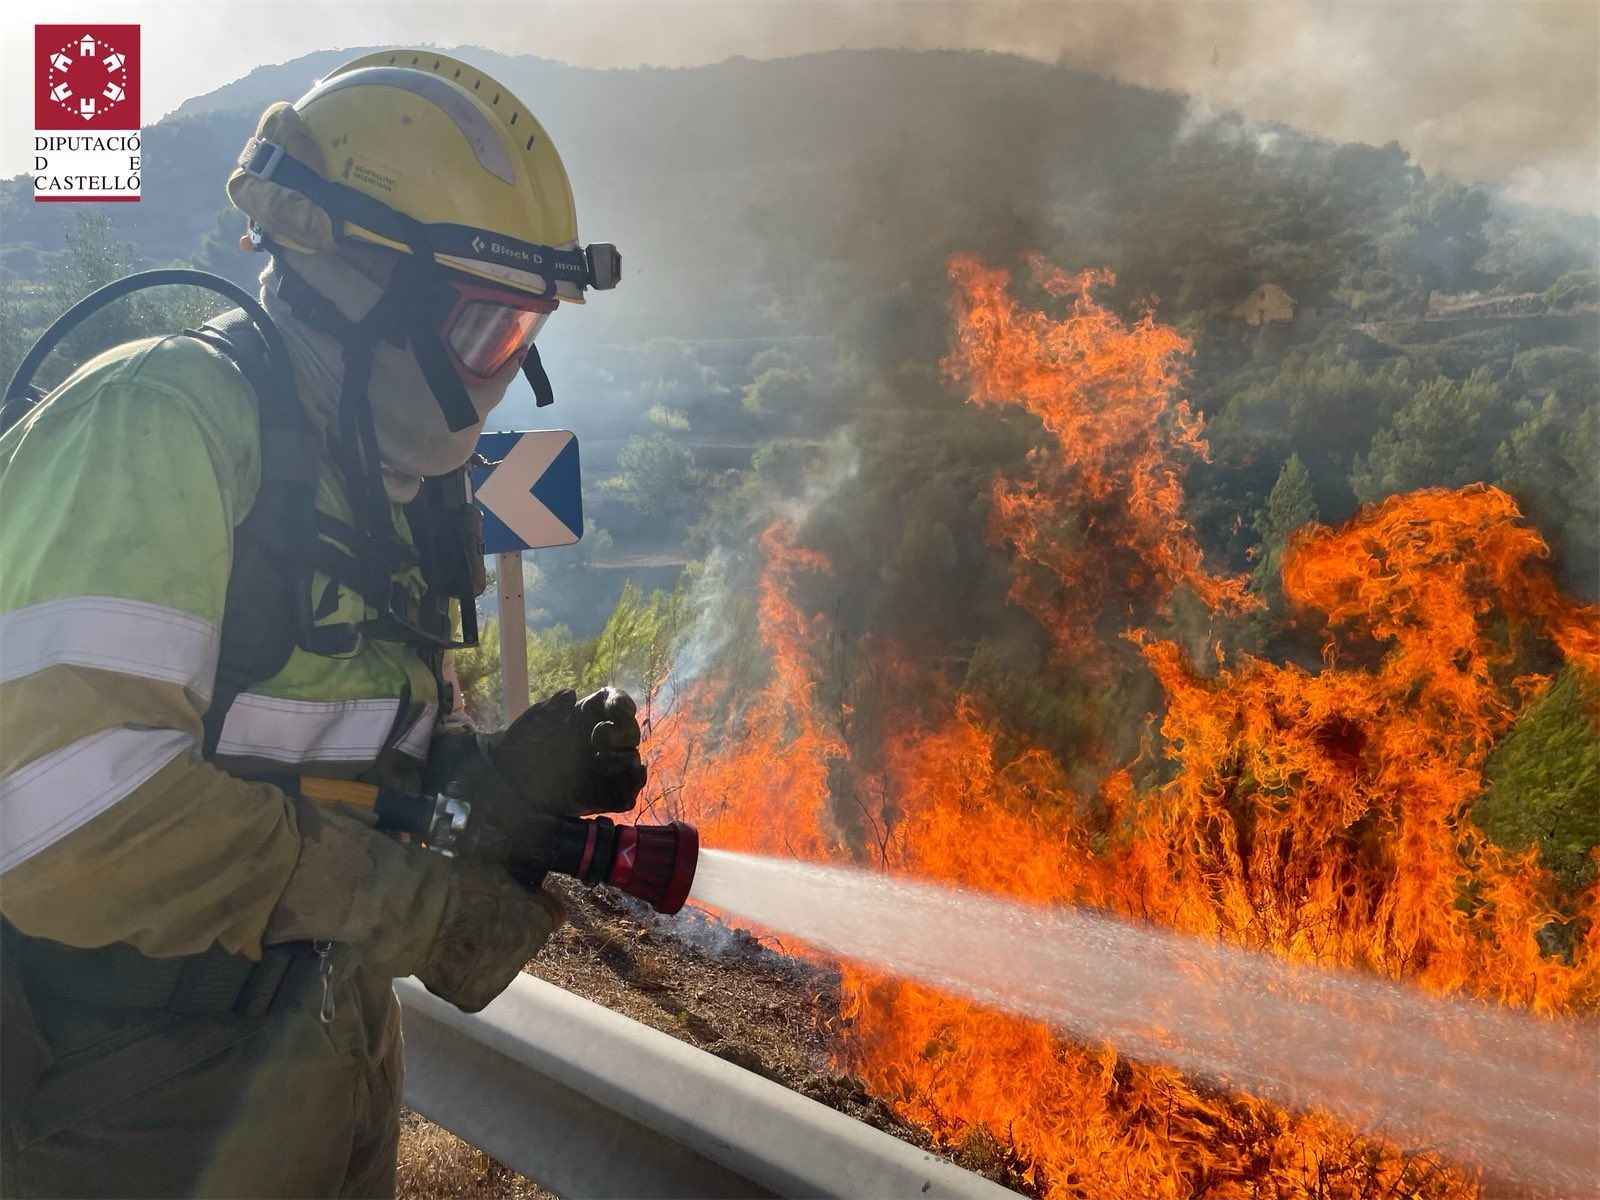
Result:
x=301 y=731
x=55 y=794
x=416 y=739
x=130 y=637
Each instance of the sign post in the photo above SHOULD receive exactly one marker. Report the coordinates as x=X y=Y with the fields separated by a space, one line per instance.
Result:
x=513 y=635
x=531 y=496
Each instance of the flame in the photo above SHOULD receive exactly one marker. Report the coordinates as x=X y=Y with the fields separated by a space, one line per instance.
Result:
x=759 y=780
x=1420 y=570
x=1097 y=526
x=1323 y=815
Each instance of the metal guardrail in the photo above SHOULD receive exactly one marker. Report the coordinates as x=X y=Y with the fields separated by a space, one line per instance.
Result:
x=588 y=1103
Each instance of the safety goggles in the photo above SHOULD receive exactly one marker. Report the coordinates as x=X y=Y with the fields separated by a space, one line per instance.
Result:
x=487 y=327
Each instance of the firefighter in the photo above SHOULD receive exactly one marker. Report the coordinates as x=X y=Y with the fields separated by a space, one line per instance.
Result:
x=197 y=992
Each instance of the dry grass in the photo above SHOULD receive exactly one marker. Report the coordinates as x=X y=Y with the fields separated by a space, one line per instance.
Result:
x=437 y=1165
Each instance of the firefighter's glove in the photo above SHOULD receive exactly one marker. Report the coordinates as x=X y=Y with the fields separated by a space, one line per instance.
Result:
x=492 y=926
x=563 y=757
x=574 y=757
x=464 y=928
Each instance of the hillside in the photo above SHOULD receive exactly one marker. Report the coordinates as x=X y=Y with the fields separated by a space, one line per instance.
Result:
x=701 y=144
x=786 y=228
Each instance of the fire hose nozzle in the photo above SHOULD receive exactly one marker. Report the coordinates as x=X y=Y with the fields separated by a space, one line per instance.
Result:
x=656 y=863
x=653 y=863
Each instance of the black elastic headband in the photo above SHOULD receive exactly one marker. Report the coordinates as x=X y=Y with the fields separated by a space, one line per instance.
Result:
x=268 y=161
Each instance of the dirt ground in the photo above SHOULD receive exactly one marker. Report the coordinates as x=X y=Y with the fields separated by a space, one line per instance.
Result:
x=742 y=999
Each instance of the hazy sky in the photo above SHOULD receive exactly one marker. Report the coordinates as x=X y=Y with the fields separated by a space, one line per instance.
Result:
x=1500 y=90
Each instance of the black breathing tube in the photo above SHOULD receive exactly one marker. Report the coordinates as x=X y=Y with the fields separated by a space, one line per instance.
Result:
x=20 y=396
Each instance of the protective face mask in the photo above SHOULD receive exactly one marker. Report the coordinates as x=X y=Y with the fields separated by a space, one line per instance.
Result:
x=414 y=440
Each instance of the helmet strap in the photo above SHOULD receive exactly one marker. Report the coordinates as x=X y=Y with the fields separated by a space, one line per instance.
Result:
x=533 y=372
x=356 y=444
x=419 y=275
x=433 y=357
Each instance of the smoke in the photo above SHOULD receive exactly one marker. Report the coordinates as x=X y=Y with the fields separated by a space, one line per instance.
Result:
x=1504 y=92
x=1496 y=91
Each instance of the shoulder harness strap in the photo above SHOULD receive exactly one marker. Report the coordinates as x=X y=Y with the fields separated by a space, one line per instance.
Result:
x=285 y=539
x=268 y=612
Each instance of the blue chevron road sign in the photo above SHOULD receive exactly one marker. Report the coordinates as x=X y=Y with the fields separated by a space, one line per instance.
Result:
x=532 y=493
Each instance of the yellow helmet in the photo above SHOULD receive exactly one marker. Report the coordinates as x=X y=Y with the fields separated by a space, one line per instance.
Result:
x=422 y=153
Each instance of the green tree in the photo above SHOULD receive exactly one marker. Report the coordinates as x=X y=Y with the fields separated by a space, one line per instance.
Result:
x=91 y=257
x=478 y=675
x=1438 y=240
x=1373 y=179
x=1537 y=370
x=1544 y=779
x=675 y=420
x=1532 y=251
x=657 y=473
x=635 y=649
x=555 y=661
x=1445 y=437
x=1321 y=405
x=781 y=463
x=1289 y=507
x=778 y=390
x=15 y=336
x=1549 y=464
x=1574 y=289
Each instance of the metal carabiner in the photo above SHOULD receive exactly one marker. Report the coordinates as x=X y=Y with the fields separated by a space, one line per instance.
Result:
x=325 y=973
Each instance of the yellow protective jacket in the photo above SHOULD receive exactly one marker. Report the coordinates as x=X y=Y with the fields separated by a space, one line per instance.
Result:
x=119 y=501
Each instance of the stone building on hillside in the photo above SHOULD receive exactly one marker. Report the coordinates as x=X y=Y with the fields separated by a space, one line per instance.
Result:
x=1269 y=304
x=1272 y=304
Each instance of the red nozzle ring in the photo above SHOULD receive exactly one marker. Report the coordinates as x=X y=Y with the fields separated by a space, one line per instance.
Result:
x=656 y=864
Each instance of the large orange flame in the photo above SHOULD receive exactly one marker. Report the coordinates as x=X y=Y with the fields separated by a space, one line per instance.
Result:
x=1098 y=525
x=1321 y=815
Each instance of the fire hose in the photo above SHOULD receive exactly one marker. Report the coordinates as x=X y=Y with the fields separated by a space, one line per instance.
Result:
x=653 y=863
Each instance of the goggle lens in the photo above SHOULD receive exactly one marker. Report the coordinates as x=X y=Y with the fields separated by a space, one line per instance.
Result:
x=485 y=336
